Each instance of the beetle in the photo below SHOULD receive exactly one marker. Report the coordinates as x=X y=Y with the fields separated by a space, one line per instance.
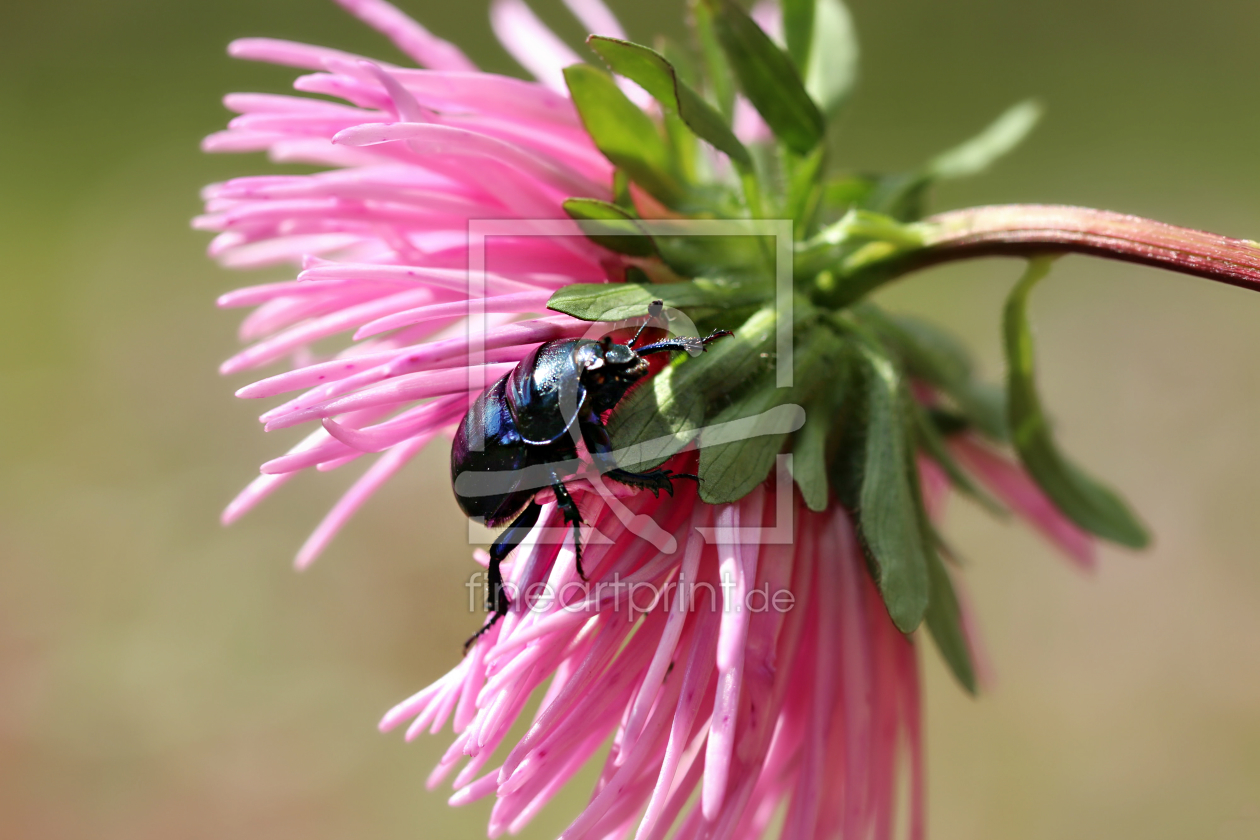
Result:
x=519 y=438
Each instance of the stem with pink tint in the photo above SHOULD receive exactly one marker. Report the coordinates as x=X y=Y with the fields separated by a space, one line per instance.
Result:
x=1026 y=230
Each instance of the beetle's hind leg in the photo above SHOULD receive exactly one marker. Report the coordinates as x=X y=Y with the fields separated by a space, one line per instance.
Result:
x=572 y=516
x=599 y=444
x=513 y=536
x=655 y=480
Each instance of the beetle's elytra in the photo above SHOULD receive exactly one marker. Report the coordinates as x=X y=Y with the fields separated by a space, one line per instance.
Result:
x=526 y=425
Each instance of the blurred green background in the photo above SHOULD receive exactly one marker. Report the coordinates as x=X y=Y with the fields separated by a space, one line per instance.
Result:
x=163 y=677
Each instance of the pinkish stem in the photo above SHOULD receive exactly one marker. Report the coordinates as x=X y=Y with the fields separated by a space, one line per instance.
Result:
x=1026 y=230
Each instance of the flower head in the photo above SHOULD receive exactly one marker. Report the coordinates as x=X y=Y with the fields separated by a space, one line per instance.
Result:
x=746 y=643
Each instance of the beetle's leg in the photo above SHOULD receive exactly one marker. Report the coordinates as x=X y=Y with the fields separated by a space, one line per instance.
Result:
x=572 y=516
x=599 y=444
x=682 y=343
x=513 y=536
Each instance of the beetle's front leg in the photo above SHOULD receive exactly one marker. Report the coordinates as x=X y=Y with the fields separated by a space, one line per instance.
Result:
x=682 y=343
x=513 y=536
x=572 y=516
x=599 y=444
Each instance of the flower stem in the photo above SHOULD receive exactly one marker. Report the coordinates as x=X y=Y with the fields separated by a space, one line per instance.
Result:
x=1026 y=230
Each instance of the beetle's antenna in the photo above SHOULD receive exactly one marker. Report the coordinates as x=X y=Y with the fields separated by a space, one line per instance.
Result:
x=655 y=308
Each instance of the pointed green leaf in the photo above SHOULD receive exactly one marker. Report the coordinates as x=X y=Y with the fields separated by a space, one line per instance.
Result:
x=659 y=416
x=620 y=130
x=1089 y=504
x=999 y=138
x=903 y=195
x=944 y=621
x=944 y=615
x=621 y=190
x=873 y=480
x=804 y=190
x=716 y=71
x=730 y=471
x=809 y=453
x=618 y=301
x=832 y=69
x=932 y=442
x=767 y=77
x=934 y=355
x=649 y=69
x=610 y=226
x=798 y=30
x=682 y=59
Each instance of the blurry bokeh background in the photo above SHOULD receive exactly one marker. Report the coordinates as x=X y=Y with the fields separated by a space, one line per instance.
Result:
x=163 y=677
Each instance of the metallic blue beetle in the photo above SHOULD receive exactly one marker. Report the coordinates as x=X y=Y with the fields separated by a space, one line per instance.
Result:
x=519 y=437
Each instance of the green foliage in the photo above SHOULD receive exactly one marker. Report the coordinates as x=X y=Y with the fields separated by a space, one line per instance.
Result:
x=938 y=358
x=729 y=471
x=798 y=29
x=1000 y=138
x=810 y=455
x=720 y=87
x=932 y=442
x=944 y=621
x=653 y=73
x=873 y=390
x=658 y=417
x=832 y=67
x=876 y=478
x=610 y=226
x=625 y=134
x=767 y=77
x=1089 y=504
x=902 y=196
x=618 y=301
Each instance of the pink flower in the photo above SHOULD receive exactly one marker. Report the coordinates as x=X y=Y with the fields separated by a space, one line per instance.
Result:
x=758 y=672
x=414 y=156
x=756 y=675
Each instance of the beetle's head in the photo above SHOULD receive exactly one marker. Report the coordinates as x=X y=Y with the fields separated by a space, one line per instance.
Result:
x=608 y=371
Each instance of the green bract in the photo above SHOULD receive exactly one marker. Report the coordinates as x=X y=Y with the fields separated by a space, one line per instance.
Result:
x=871 y=392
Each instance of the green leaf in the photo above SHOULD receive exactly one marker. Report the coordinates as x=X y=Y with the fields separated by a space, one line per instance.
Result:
x=873 y=479
x=649 y=69
x=798 y=30
x=832 y=69
x=610 y=226
x=932 y=442
x=848 y=192
x=767 y=77
x=809 y=451
x=659 y=417
x=804 y=190
x=717 y=71
x=621 y=190
x=730 y=471
x=903 y=195
x=999 y=138
x=1089 y=504
x=934 y=355
x=617 y=301
x=944 y=621
x=620 y=130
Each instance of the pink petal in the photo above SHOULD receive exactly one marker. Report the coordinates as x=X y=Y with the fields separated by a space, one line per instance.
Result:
x=410 y=37
x=531 y=43
x=1020 y=493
